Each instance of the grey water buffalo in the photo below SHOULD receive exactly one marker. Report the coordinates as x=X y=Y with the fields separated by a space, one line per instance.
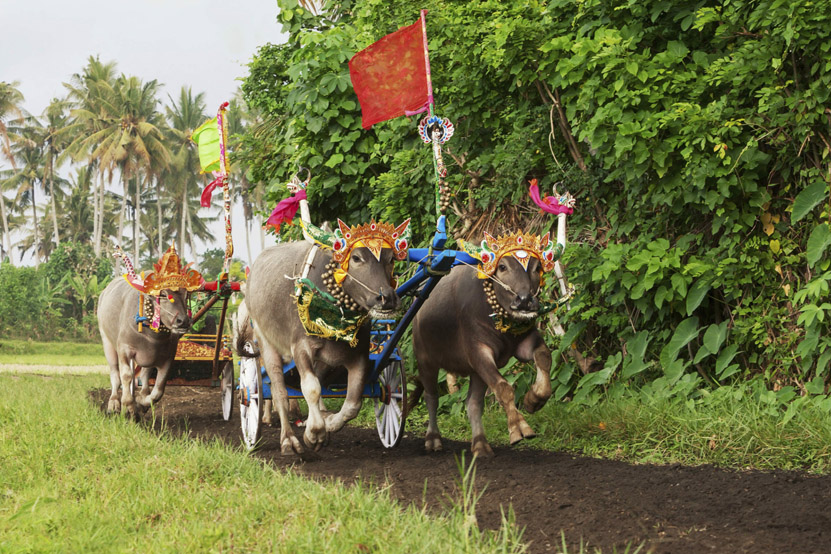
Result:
x=473 y=327
x=359 y=274
x=125 y=346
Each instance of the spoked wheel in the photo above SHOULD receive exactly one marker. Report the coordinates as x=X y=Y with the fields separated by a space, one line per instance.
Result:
x=250 y=399
x=227 y=391
x=391 y=407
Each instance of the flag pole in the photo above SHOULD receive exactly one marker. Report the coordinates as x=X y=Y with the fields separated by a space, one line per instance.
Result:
x=226 y=186
x=435 y=137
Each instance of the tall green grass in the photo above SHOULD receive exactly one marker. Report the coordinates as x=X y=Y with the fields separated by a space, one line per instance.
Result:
x=73 y=480
x=14 y=351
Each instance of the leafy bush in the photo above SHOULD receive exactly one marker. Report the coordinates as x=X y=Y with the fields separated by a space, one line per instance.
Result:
x=694 y=137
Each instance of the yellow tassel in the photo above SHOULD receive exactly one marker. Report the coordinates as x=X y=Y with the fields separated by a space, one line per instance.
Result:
x=340 y=275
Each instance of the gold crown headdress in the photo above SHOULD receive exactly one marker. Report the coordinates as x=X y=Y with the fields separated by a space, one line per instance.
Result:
x=522 y=246
x=375 y=236
x=168 y=275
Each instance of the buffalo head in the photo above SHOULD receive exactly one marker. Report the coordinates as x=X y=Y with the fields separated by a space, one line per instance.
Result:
x=173 y=308
x=360 y=274
x=369 y=281
x=517 y=288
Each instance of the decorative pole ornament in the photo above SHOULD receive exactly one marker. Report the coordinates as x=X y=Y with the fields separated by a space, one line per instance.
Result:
x=287 y=208
x=211 y=138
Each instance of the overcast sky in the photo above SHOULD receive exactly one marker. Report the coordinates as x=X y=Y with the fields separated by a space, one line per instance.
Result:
x=204 y=44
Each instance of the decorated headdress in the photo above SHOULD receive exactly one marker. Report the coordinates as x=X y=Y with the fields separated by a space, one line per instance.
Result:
x=168 y=274
x=522 y=246
x=375 y=236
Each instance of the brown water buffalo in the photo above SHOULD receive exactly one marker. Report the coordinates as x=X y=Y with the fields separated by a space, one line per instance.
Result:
x=125 y=346
x=364 y=269
x=456 y=330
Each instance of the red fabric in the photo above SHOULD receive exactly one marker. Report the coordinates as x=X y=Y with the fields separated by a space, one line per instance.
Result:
x=285 y=210
x=209 y=190
x=390 y=76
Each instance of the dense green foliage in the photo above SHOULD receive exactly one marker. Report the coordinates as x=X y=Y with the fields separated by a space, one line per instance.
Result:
x=56 y=300
x=694 y=137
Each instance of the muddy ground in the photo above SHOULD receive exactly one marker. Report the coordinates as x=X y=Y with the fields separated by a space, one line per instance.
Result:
x=606 y=504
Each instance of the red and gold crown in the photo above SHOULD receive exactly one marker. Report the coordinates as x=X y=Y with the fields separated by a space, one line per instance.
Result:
x=170 y=275
x=522 y=246
x=374 y=236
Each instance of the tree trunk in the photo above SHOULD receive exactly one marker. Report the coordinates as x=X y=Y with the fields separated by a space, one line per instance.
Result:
x=183 y=221
x=37 y=234
x=136 y=219
x=122 y=215
x=159 y=214
x=6 y=245
x=94 y=190
x=54 y=210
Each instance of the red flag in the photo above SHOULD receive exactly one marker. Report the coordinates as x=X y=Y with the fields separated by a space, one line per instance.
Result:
x=390 y=76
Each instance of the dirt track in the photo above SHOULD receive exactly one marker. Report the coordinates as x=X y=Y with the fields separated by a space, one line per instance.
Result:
x=605 y=503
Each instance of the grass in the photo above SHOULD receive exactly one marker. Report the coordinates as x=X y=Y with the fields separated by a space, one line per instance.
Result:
x=27 y=352
x=729 y=427
x=73 y=480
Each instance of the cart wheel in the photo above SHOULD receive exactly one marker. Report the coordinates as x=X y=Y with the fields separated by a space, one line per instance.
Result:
x=250 y=400
x=389 y=410
x=227 y=391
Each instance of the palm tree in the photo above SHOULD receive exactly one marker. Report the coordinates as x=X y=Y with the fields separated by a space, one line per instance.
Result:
x=11 y=100
x=89 y=95
x=55 y=139
x=121 y=132
x=27 y=151
x=183 y=117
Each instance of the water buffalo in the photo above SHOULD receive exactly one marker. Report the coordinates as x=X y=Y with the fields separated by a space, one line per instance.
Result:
x=356 y=267
x=125 y=346
x=474 y=322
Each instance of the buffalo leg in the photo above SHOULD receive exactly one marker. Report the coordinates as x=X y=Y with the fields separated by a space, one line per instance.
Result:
x=128 y=403
x=146 y=401
x=354 y=397
x=268 y=406
x=274 y=367
x=475 y=402
x=540 y=391
x=518 y=428
x=429 y=380
x=114 y=404
x=315 y=435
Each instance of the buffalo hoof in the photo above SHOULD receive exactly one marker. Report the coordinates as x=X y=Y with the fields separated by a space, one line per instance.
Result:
x=532 y=402
x=130 y=411
x=521 y=431
x=267 y=418
x=480 y=447
x=114 y=406
x=432 y=443
x=315 y=440
x=290 y=445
